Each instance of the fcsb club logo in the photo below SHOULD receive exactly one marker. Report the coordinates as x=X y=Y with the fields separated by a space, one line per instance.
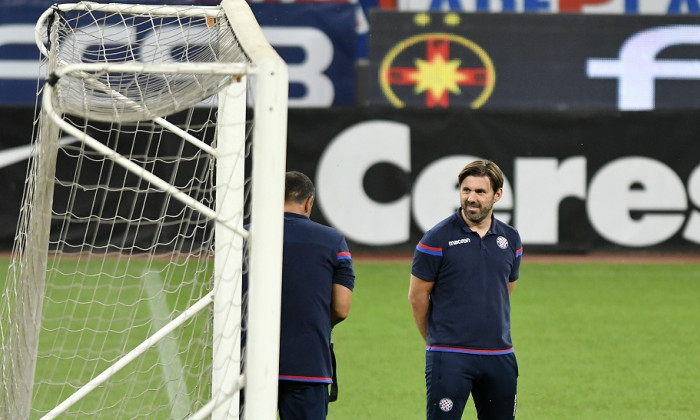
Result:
x=437 y=70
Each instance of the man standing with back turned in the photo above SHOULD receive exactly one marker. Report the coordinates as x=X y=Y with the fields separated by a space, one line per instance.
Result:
x=317 y=283
x=463 y=272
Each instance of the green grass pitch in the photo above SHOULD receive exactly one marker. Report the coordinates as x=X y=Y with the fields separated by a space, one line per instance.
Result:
x=594 y=341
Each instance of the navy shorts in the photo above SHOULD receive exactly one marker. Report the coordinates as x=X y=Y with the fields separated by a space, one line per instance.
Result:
x=302 y=400
x=451 y=377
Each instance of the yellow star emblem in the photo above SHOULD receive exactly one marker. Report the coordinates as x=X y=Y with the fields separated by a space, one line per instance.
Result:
x=437 y=76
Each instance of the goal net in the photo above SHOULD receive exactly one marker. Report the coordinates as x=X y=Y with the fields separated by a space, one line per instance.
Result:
x=155 y=188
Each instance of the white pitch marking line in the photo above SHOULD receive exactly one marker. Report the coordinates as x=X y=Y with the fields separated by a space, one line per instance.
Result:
x=170 y=361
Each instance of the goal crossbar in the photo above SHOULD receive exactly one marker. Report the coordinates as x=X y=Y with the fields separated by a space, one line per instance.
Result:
x=225 y=69
x=134 y=9
x=86 y=70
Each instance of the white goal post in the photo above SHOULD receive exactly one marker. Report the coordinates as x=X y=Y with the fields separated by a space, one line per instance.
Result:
x=154 y=191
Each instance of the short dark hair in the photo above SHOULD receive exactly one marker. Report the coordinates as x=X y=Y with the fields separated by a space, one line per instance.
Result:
x=298 y=187
x=483 y=168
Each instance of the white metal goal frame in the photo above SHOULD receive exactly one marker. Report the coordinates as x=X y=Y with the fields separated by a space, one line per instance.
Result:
x=267 y=190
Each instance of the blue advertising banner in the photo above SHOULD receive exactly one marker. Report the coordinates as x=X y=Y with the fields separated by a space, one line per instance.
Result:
x=318 y=41
x=19 y=55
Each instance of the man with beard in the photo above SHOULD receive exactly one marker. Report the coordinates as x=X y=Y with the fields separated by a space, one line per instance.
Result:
x=463 y=272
